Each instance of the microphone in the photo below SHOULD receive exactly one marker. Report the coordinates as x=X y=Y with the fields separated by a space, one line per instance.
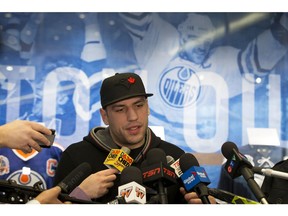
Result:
x=238 y=165
x=131 y=186
x=194 y=177
x=176 y=166
x=12 y=192
x=270 y=172
x=71 y=181
x=229 y=197
x=157 y=173
x=235 y=160
x=119 y=158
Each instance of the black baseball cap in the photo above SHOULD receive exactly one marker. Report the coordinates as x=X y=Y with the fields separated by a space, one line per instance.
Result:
x=121 y=86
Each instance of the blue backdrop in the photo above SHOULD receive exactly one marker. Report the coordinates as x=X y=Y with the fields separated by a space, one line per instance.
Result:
x=213 y=75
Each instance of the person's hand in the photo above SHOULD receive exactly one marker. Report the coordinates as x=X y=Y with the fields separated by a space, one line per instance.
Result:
x=96 y=185
x=23 y=135
x=50 y=196
x=192 y=197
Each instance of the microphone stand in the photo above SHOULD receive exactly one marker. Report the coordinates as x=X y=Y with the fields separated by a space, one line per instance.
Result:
x=162 y=193
x=249 y=177
x=202 y=192
x=271 y=173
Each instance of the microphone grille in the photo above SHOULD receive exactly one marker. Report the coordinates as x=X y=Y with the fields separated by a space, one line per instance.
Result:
x=126 y=150
x=170 y=160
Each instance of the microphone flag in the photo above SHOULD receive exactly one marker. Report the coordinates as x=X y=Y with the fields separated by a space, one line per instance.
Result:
x=235 y=162
x=119 y=159
x=133 y=193
x=193 y=176
x=158 y=171
x=176 y=167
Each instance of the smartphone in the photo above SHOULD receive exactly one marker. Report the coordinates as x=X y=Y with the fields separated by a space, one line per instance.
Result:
x=50 y=138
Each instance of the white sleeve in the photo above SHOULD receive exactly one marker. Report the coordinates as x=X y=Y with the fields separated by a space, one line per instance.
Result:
x=34 y=201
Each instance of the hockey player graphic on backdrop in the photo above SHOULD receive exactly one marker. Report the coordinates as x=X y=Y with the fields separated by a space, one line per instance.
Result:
x=68 y=74
x=193 y=89
x=59 y=88
x=72 y=50
x=16 y=48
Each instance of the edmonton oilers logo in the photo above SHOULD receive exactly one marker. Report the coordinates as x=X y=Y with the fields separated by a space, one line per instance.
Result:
x=27 y=180
x=179 y=86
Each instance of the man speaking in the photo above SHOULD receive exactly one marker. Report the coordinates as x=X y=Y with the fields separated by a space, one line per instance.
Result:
x=125 y=111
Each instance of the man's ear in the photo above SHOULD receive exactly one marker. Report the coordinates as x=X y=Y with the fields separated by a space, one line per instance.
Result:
x=104 y=116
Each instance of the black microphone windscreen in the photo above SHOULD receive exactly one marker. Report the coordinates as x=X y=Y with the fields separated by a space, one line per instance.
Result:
x=130 y=174
x=71 y=181
x=227 y=148
x=156 y=155
x=186 y=161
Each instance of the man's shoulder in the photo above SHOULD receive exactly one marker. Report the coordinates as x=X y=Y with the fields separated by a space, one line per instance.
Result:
x=77 y=145
x=171 y=149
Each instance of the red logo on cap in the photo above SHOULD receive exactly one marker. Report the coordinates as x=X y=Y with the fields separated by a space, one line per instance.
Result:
x=131 y=80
